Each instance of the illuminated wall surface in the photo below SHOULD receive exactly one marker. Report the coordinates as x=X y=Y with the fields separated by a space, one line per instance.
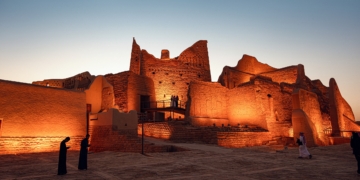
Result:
x=41 y=115
x=283 y=101
x=255 y=101
x=172 y=76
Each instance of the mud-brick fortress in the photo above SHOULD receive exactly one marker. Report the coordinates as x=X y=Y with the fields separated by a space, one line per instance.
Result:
x=251 y=104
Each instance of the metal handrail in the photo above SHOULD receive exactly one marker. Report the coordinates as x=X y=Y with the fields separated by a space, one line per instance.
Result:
x=163 y=104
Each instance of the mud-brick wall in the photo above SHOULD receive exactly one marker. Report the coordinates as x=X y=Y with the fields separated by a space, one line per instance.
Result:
x=245 y=106
x=139 y=86
x=30 y=110
x=287 y=74
x=178 y=133
x=172 y=77
x=230 y=77
x=207 y=100
x=242 y=139
x=119 y=82
x=156 y=130
x=108 y=138
x=17 y=145
x=210 y=135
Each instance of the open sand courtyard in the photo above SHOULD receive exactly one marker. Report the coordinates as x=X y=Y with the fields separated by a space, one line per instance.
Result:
x=201 y=161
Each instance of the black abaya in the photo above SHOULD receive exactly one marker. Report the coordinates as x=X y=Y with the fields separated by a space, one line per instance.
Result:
x=62 y=158
x=83 y=154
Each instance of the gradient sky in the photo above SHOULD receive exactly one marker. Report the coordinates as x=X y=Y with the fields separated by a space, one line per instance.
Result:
x=45 y=39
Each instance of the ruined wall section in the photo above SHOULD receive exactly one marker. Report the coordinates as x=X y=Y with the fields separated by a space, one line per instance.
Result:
x=244 y=108
x=79 y=82
x=323 y=96
x=261 y=102
x=30 y=110
x=246 y=68
x=287 y=74
x=197 y=56
x=340 y=111
x=165 y=54
x=119 y=82
x=100 y=95
x=231 y=78
x=171 y=77
x=207 y=104
x=139 y=86
x=308 y=102
x=251 y=65
x=58 y=83
x=135 y=58
x=128 y=87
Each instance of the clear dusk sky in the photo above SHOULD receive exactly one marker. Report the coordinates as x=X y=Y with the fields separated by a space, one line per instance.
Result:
x=47 y=39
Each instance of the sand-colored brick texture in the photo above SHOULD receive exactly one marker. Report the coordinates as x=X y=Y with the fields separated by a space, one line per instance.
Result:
x=342 y=117
x=173 y=76
x=249 y=67
x=78 y=82
x=128 y=89
x=223 y=136
x=100 y=95
x=36 y=118
x=207 y=104
x=260 y=102
x=109 y=138
x=307 y=118
x=32 y=110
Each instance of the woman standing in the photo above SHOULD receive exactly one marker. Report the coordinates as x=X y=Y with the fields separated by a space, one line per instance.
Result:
x=355 y=145
x=303 y=152
x=62 y=156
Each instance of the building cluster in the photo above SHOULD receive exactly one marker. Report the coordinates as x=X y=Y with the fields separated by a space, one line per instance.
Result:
x=251 y=104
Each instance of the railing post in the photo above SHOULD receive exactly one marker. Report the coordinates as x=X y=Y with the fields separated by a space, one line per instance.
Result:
x=142 y=136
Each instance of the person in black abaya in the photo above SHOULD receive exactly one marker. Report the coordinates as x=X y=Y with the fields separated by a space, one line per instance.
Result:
x=355 y=145
x=62 y=157
x=83 y=153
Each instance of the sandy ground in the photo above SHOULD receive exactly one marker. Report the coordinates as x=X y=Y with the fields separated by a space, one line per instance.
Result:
x=200 y=162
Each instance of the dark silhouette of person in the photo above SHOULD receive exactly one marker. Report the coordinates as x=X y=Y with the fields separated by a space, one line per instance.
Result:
x=176 y=101
x=355 y=145
x=83 y=153
x=62 y=157
x=172 y=104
